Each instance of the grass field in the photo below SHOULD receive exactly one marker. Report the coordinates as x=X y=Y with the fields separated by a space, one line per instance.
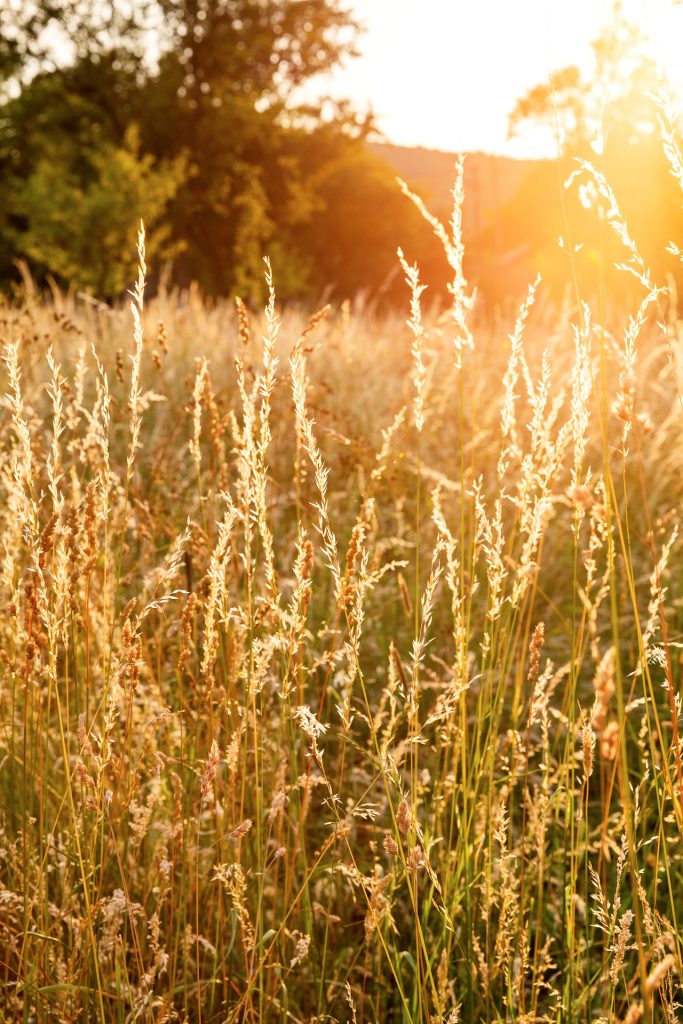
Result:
x=340 y=660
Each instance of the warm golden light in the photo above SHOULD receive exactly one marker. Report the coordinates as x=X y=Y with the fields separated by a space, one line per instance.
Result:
x=665 y=31
x=470 y=63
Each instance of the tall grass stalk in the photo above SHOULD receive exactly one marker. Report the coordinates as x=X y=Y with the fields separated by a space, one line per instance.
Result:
x=340 y=669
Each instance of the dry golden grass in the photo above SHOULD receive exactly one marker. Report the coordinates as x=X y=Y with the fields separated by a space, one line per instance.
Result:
x=340 y=661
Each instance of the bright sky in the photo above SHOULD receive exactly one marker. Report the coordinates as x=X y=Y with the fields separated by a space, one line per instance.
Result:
x=446 y=73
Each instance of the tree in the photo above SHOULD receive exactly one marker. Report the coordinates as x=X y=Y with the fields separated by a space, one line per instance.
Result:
x=204 y=126
x=226 y=90
x=81 y=227
x=259 y=49
x=609 y=117
x=612 y=103
x=213 y=117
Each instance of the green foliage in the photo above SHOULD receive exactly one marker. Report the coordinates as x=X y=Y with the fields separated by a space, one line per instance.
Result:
x=352 y=241
x=253 y=228
x=260 y=49
x=209 y=143
x=81 y=209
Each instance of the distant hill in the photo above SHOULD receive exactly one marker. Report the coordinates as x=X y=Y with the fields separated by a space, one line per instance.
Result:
x=516 y=211
x=490 y=181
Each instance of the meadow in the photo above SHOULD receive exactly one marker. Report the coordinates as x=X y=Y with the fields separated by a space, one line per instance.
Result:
x=340 y=656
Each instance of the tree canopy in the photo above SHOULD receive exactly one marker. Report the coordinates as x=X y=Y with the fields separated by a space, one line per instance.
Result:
x=196 y=116
x=609 y=115
x=611 y=103
x=192 y=115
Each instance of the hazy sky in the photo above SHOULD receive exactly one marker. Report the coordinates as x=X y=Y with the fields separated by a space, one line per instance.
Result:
x=445 y=73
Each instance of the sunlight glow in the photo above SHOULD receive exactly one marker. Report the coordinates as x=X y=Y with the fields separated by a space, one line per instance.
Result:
x=446 y=74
